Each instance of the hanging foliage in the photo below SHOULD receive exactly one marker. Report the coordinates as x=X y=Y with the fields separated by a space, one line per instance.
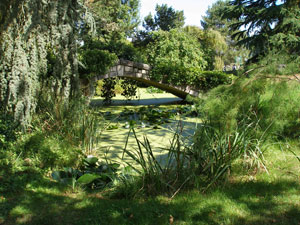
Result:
x=30 y=31
x=129 y=88
x=108 y=89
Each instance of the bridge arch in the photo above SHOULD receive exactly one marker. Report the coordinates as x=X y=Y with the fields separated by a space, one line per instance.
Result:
x=140 y=72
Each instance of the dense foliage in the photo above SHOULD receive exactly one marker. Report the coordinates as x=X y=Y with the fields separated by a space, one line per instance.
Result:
x=170 y=51
x=28 y=29
x=266 y=24
x=214 y=21
x=214 y=46
x=274 y=104
x=166 y=18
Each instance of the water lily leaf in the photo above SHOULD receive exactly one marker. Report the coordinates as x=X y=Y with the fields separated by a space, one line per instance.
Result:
x=87 y=178
x=91 y=161
x=113 y=127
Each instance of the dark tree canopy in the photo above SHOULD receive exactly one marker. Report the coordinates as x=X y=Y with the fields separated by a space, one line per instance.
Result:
x=165 y=18
x=214 y=17
x=266 y=24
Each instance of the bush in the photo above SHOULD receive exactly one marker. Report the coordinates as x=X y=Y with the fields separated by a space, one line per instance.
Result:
x=207 y=80
x=274 y=103
x=50 y=151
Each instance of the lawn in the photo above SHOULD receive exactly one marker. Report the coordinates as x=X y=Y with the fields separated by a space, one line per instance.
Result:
x=253 y=198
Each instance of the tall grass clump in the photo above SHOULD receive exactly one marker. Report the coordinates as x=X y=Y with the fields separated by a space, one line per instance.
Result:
x=201 y=162
x=273 y=102
x=166 y=173
x=62 y=132
x=214 y=151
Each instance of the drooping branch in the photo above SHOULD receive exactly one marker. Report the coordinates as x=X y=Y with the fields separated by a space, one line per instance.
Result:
x=29 y=31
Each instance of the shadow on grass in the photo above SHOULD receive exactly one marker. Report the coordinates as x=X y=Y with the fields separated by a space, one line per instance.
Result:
x=43 y=202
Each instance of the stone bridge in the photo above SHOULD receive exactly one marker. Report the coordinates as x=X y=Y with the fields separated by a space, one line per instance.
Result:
x=140 y=72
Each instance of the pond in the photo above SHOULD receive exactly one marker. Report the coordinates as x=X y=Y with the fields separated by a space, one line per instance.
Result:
x=156 y=116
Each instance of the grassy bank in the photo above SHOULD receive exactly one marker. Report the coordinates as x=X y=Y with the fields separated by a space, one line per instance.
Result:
x=254 y=198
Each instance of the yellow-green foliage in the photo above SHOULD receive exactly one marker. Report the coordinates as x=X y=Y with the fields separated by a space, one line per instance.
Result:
x=275 y=104
x=118 y=87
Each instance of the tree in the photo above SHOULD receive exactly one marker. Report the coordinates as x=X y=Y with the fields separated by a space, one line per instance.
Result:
x=166 y=18
x=266 y=25
x=171 y=53
x=32 y=33
x=115 y=19
x=213 y=44
x=214 y=20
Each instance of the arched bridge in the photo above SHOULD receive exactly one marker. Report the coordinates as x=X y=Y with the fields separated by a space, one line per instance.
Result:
x=140 y=72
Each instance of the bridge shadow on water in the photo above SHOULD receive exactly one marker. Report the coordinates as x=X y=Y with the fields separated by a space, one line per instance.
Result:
x=138 y=102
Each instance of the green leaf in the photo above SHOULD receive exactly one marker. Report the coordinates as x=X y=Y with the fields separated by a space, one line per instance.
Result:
x=87 y=178
x=91 y=161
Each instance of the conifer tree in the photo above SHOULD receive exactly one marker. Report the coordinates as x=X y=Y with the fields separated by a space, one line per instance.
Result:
x=32 y=32
x=267 y=25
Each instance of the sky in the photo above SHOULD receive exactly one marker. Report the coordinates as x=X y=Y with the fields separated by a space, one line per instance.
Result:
x=193 y=9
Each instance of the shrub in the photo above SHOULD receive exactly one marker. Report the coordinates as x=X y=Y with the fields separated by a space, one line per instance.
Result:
x=50 y=151
x=274 y=103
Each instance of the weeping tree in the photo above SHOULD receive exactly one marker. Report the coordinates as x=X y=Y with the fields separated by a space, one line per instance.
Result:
x=33 y=33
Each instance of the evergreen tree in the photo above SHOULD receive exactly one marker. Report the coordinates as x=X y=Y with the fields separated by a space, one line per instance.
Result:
x=166 y=18
x=266 y=25
x=214 y=17
x=116 y=19
x=32 y=33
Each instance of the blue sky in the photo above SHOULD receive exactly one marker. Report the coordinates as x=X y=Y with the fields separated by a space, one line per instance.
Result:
x=193 y=9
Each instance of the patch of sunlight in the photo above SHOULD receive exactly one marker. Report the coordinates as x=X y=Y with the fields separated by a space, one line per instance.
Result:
x=23 y=214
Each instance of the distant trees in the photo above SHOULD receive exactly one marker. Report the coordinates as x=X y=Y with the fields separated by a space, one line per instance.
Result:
x=214 y=20
x=213 y=45
x=115 y=18
x=166 y=18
